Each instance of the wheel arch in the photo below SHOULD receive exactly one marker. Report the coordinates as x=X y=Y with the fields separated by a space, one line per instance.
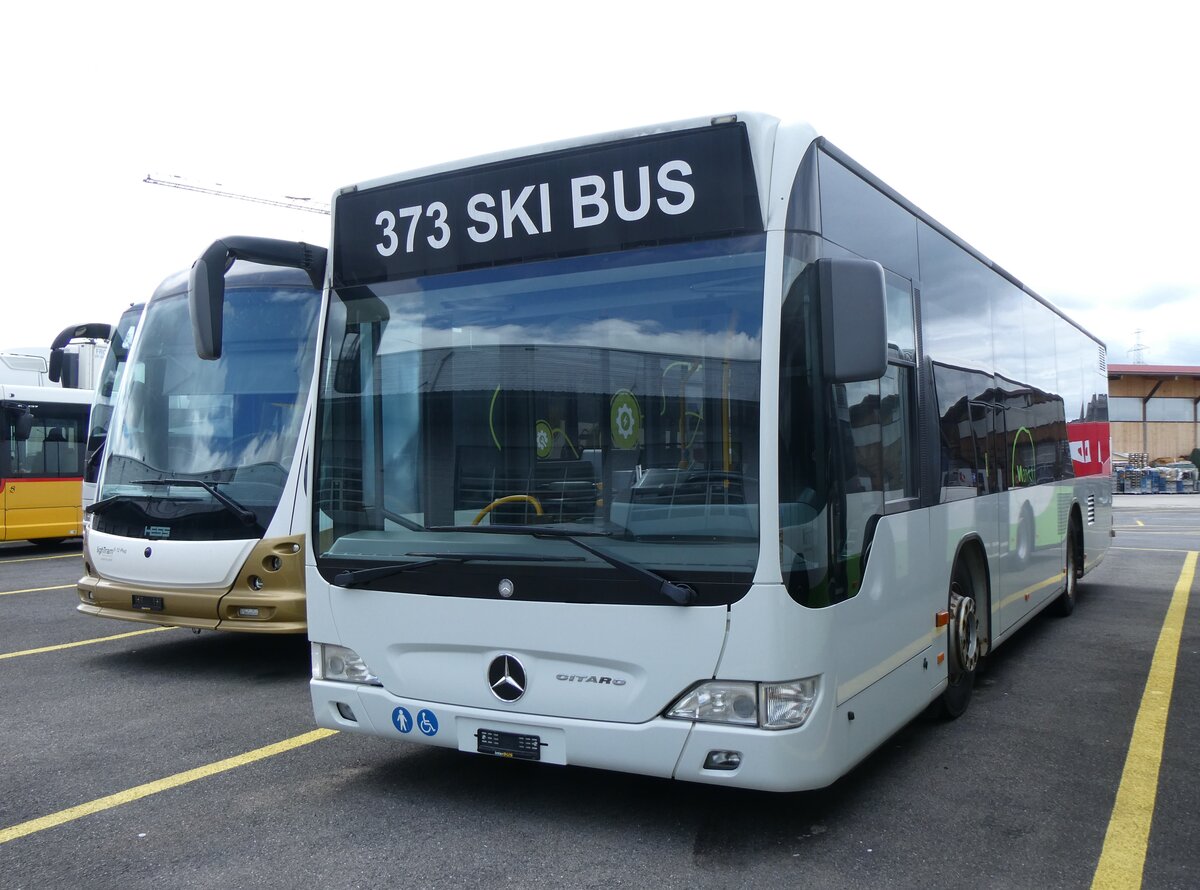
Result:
x=973 y=554
x=1075 y=532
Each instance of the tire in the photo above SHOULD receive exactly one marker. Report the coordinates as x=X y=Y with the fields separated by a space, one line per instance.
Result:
x=1065 y=604
x=962 y=643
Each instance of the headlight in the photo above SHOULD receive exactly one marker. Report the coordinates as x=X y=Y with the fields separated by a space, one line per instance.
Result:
x=719 y=702
x=741 y=703
x=338 y=663
x=787 y=705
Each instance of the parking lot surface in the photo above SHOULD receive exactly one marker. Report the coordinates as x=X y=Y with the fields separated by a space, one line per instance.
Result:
x=137 y=757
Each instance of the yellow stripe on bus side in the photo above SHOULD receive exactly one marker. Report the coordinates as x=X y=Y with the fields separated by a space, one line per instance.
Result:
x=1030 y=590
x=138 y=792
x=1123 y=857
x=132 y=633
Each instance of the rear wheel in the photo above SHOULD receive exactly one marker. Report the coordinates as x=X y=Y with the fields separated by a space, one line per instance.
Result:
x=963 y=641
x=1065 y=604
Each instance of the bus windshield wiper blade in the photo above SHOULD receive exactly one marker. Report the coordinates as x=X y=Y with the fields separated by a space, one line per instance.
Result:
x=103 y=505
x=354 y=577
x=245 y=514
x=548 y=531
x=680 y=594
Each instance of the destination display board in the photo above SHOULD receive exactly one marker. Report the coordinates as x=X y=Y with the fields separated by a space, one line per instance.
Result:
x=667 y=187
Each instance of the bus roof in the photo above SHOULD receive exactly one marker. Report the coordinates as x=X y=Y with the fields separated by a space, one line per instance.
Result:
x=46 y=394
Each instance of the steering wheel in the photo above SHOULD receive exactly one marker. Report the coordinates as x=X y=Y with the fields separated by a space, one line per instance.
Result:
x=509 y=499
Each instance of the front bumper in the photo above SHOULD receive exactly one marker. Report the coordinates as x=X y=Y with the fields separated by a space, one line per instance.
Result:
x=789 y=760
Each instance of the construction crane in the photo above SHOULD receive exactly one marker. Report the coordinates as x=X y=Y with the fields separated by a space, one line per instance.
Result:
x=308 y=205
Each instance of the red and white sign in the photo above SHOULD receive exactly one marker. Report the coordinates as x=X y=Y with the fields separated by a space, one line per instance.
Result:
x=1091 y=448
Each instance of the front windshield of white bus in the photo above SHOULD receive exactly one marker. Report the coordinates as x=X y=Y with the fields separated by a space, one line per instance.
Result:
x=202 y=449
x=478 y=416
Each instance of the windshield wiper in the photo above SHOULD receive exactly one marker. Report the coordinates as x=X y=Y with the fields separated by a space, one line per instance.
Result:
x=354 y=577
x=245 y=514
x=102 y=505
x=680 y=594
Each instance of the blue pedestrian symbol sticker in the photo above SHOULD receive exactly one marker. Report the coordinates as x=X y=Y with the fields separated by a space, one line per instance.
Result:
x=427 y=722
x=403 y=720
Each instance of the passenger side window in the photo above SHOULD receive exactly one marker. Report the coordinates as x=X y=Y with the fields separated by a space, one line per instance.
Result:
x=897 y=396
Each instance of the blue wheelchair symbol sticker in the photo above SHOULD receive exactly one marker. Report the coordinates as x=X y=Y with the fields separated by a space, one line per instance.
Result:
x=403 y=720
x=427 y=722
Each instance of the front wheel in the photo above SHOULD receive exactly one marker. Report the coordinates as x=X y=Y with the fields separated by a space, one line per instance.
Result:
x=963 y=642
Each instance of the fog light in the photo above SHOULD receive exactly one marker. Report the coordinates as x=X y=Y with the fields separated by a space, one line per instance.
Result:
x=346 y=712
x=723 y=760
x=247 y=612
x=273 y=563
x=255 y=582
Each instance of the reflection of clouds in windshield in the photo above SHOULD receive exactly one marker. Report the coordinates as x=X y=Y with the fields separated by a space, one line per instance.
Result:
x=205 y=451
x=612 y=333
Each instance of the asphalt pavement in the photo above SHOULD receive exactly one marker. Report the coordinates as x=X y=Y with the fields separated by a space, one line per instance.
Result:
x=134 y=757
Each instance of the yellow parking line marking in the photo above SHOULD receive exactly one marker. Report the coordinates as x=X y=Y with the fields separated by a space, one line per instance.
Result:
x=132 y=633
x=1123 y=857
x=1151 y=549
x=4 y=562
x=36 y=589
x=1181 y=532
x=138 y=792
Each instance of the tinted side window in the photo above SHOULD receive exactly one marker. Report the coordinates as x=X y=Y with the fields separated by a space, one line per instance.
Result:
x=55 y=447
x=862 y=219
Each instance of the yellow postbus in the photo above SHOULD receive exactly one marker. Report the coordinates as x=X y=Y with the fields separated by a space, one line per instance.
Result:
x=44 y=433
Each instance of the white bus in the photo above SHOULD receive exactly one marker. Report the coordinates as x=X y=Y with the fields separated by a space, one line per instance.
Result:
x=107 y=385
x=692 y=451
x=195 y=524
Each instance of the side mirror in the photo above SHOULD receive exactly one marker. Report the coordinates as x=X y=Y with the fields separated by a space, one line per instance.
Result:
x=90 y=331
x=853 y=319
x=206 y=280
x=24 y=426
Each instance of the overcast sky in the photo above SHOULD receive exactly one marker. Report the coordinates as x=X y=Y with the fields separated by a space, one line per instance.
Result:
x=1060 y=139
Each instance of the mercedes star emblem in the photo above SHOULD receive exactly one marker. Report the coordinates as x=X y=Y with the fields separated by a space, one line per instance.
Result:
x=507 y=678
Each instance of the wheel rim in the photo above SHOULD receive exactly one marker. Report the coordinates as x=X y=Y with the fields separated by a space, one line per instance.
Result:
x=964 y=630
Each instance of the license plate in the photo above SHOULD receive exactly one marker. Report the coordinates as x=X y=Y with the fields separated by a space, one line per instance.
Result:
x=147 y=603
x=509 y=744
